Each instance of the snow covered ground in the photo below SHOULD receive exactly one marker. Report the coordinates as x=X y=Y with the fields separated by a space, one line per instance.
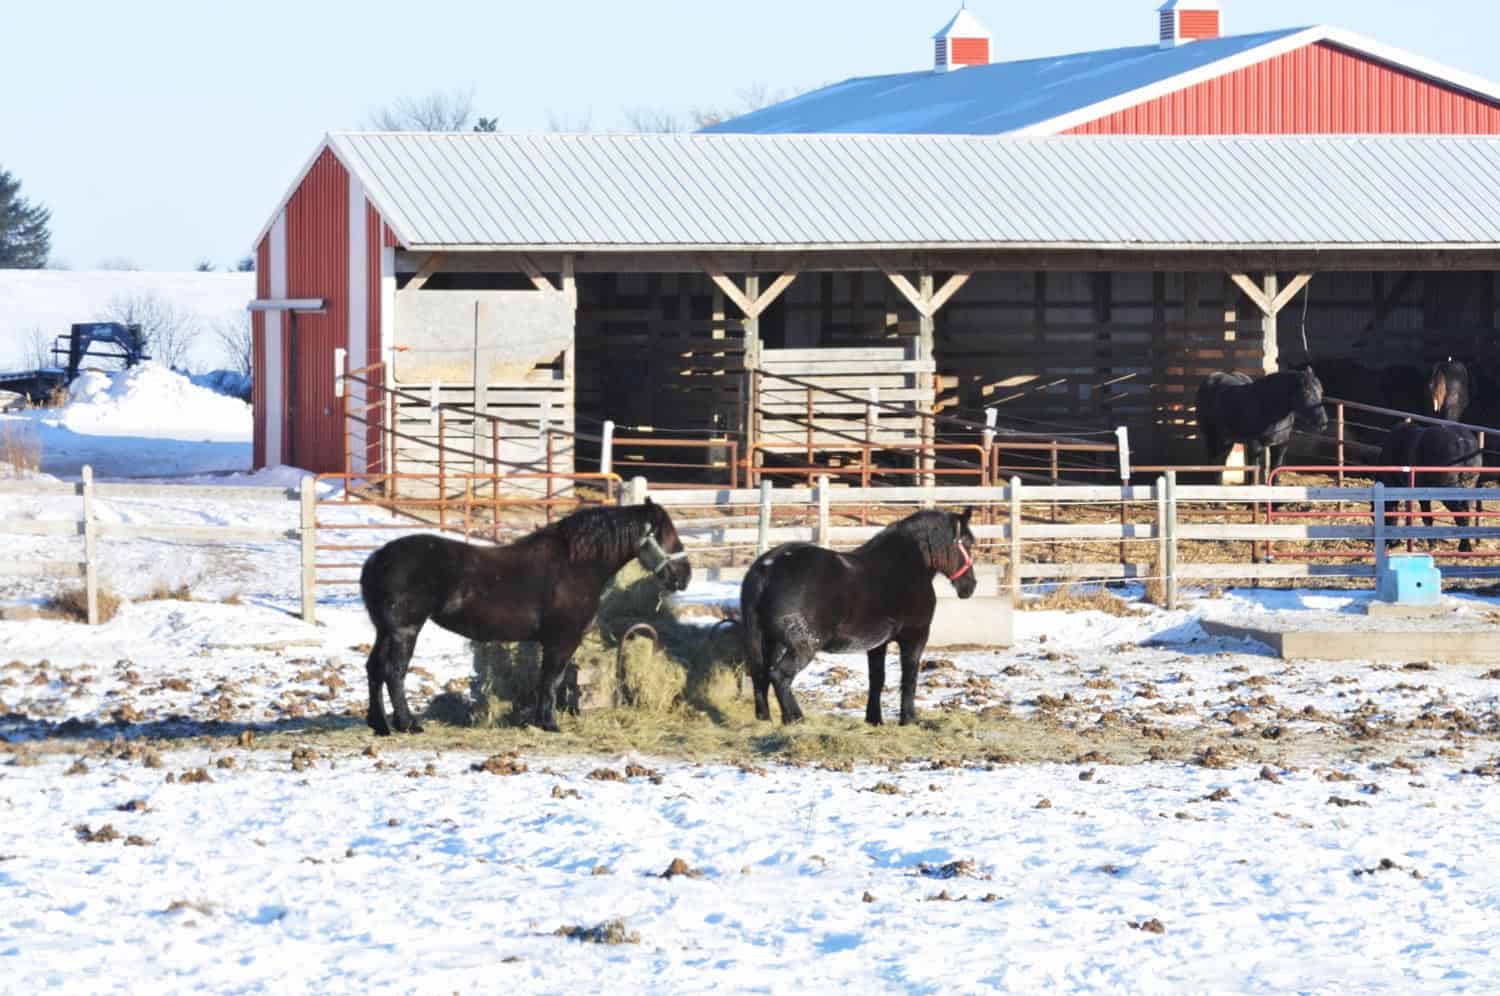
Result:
x=1319 y=826
x=145 y=422
x=409 y=872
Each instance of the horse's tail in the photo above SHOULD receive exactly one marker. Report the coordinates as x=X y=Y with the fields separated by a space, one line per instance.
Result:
x=751 y=591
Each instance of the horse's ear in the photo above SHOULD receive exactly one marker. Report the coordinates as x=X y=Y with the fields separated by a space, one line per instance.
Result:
x=968 y=514
x=649 y=501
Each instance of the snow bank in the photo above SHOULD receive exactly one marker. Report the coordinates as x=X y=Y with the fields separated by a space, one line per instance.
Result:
x=153 y=402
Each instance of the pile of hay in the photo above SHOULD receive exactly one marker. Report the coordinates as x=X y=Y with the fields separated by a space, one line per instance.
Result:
x=687 y=667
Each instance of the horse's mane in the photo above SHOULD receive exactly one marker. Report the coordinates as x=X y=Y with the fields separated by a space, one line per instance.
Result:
x=603 y=534
x=931 y=530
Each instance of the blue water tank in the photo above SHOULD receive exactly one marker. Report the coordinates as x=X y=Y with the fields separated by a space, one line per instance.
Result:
x=1410 y=580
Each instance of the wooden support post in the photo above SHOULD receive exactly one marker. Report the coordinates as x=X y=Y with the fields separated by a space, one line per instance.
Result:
x=308 y=534
x=90 y=549
x=825 y=517
x=763 y=525
x=430 y=266
x=1171 y=554
x=1270 y=298
x=1270 y=329
x=1015 y=539
x=872 y=413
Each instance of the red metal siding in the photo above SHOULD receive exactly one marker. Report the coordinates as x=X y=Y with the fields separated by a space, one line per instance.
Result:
x=971 y=51
x=258 y=353
x=317 y=237
x=1319 y=89
x=1198 y=24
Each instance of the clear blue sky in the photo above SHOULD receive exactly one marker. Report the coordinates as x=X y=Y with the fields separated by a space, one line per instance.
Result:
x=164 y=131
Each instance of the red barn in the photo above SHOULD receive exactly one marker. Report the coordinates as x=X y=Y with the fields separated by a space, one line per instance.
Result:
x=1195 y=80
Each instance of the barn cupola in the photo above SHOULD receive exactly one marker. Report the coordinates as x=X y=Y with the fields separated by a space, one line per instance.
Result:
x=964 y=41
x=1184 y=21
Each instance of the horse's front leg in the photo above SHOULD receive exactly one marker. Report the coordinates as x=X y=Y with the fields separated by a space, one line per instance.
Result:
x=556 y=654
x=877 y=685
x=912 y=645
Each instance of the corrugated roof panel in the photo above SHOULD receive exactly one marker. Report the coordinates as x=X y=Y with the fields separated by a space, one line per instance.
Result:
x=709 y=191
x=988 y=100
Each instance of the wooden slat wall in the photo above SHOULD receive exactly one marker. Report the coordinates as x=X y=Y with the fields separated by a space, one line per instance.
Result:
x=903 y=381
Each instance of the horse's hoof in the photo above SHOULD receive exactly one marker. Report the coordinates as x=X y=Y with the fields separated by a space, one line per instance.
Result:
x=874 y=720
x=413 y=727
x=385 y=732
x=791 y=720
x=908 y=720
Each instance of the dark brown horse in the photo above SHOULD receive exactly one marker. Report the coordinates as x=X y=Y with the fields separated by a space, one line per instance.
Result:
x=544 y=587
x=799 y=599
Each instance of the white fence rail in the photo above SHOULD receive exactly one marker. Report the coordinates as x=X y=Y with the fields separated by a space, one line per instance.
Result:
x=720 y=518
x=92 y=532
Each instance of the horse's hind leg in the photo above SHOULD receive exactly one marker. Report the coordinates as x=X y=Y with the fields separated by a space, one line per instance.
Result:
x=375 y=671
x=399 y=649
x=782 y=671
x=760 y=678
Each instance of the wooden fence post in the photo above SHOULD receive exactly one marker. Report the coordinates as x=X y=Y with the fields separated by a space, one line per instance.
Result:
x=825 y=517
x=90 y=548
x=1161 y=529
x=763 y=527
x=1377 y=503
x=309 y=539
x=636 y=493
x=607 y=448
x=1171 y=559
x=1015 y=539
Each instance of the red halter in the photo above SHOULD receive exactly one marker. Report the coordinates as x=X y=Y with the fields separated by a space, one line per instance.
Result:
x=968 y=562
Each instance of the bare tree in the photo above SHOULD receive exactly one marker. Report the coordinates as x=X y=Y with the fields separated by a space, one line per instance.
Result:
x=118 y=263
x=204 y=266
x=37 y=349
x=438 y=111
x=644 y=119
x=234 y=338
x=246 y=264
x=167 y=331
x=577 y=125
x=750 y=98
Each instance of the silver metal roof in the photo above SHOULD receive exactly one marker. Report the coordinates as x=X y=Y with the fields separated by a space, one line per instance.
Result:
x=752 y=192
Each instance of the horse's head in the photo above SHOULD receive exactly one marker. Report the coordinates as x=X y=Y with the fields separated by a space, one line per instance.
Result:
x=660 y=550
x=1307 y=400
x=957 y=559
x=1448 y=388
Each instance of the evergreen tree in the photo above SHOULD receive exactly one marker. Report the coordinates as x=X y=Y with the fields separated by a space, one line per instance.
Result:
x=25 y=241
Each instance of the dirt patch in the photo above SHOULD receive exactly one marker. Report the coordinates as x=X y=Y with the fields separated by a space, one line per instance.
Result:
x=501 y=764
x=680 y=869
x=1151 y=926
x=608 y=932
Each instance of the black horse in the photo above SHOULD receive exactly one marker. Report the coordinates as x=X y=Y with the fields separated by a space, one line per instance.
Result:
x=1233 y=408
x=544 y=587
x=799 y=599
x=1448 y=389
x=1413 y=445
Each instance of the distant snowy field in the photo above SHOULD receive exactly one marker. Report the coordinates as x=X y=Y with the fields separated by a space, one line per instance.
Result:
x=144 y=422
x=53 y=300
x=1362 y=858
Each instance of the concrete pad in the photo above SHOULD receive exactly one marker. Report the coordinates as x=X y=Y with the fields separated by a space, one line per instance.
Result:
x=1398 y=646
x=1395 y=610
x=981 y=621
